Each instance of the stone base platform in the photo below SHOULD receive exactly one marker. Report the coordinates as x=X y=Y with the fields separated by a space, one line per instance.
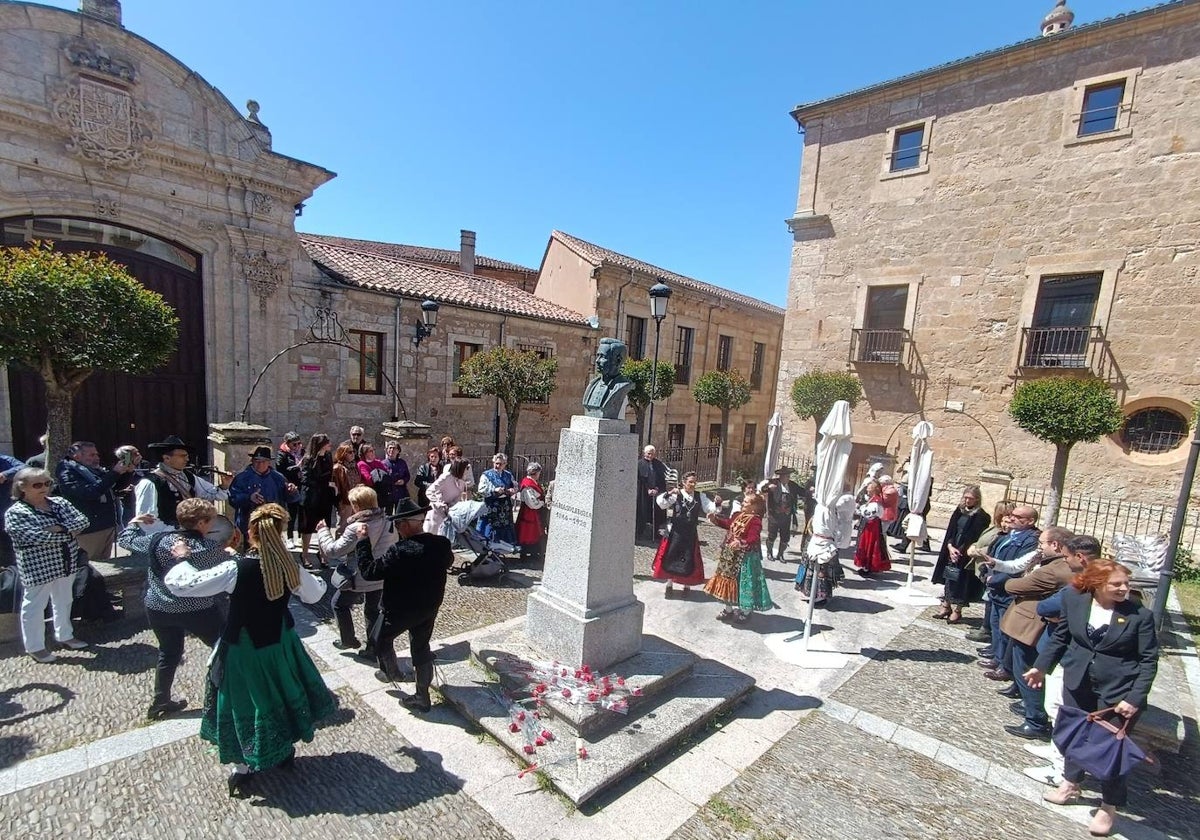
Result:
x=680 y=693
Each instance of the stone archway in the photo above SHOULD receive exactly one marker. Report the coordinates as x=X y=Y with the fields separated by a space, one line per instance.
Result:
x=114 y=408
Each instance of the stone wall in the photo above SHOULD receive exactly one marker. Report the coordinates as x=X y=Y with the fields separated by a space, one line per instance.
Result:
x=1009 y=195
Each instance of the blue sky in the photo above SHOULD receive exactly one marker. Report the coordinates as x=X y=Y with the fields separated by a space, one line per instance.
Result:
x=657 y=128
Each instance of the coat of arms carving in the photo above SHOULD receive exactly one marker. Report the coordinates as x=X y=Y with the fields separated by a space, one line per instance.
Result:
x=103 y=121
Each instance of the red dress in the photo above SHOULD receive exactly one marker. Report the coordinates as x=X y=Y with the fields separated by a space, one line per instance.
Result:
x=678 y=559
x=529 y=520
x=871 y=554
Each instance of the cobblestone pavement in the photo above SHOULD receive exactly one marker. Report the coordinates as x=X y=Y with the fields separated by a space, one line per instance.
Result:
x=88 y=694
x=825 y=779
x=357 y=779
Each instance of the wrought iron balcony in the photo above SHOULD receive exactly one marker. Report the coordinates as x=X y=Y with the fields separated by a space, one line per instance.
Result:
x=878 y=347
x=1072 y=348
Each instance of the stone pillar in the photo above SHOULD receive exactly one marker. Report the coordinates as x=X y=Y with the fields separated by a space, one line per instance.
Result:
x=232 y=444
x=413 y=438
x=584 y=611
x=993 y=487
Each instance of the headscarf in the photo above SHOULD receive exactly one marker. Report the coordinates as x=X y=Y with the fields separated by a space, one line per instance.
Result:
x=280 y=573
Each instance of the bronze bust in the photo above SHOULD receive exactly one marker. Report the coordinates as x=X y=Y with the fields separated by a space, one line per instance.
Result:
x=607 y=393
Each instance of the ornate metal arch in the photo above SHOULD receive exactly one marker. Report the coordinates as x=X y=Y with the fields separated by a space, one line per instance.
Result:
x=995 y=452
x=324 y=329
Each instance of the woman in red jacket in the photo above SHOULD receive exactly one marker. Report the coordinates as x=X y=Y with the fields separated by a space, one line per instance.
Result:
x=739 y=580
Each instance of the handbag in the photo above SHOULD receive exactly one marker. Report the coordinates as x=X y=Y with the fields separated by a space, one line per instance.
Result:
x=951 y=573
x=1101 y=748
x=343 y=577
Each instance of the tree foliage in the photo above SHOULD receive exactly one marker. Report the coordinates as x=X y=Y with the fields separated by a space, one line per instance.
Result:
x=68 y=315
x=514 y=377
x=1064 y=411
x=640 y=372
x=727 y=390
x=815 y=392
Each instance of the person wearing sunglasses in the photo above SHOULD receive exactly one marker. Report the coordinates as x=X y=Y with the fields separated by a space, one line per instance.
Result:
x=43 y=530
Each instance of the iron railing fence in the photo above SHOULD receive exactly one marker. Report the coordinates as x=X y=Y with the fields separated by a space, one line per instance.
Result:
x=1101 y=518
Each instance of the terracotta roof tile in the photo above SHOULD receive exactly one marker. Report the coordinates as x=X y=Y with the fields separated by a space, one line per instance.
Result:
x=418 y=253
x=412 y=279
x=596 y=255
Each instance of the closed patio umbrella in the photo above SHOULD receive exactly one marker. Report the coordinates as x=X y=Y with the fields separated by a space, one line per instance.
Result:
x=774 y=432
x=920 y=479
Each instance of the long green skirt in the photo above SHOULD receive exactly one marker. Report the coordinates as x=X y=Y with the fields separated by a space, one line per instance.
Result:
x=267 y=699
x=752 y=583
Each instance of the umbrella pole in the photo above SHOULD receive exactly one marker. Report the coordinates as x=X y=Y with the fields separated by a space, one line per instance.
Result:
x=812 y=600
x=912 y=560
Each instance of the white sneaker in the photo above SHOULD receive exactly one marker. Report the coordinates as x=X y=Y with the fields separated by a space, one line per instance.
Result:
x=1049 y=775
x=74 y=644
x=1046 y=751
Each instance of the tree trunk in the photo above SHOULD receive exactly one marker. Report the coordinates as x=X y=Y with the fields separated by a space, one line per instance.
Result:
x=721 y=449
x=59 y=402
x=1058 y=478
x=510 y=434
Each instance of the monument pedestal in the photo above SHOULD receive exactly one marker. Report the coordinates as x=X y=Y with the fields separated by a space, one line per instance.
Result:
x=584 y=613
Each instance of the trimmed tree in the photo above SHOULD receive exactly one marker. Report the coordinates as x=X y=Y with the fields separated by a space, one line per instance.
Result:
x=514 y=377
x=640 y=372
x=1064 y=411
x=727 y=390
x=66 y=316
x=815 y=392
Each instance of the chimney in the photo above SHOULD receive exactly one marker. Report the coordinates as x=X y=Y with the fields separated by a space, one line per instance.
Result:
x=108 y=11
x=466 y=252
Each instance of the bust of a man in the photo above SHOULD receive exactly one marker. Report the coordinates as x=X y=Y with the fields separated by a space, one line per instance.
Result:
x=607 y=393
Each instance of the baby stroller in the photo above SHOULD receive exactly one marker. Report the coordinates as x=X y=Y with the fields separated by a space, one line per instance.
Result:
x=488 y=564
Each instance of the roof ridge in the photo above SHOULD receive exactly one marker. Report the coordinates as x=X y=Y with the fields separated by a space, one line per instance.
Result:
x=450 y=253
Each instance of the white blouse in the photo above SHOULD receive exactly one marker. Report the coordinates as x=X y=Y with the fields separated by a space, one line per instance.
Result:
x=186 y=581
x=1099 y=616
x=706 y=504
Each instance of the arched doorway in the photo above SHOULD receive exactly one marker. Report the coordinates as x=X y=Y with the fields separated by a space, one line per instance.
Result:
x=114 y=408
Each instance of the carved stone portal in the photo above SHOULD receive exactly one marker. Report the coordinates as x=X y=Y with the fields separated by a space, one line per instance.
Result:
x=103 y=122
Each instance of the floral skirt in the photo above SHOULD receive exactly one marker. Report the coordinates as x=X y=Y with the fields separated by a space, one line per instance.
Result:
x=261 y=701
x=724 y=582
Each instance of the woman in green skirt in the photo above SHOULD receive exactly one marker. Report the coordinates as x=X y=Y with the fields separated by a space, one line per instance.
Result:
x=264 y=692
x=739 y=580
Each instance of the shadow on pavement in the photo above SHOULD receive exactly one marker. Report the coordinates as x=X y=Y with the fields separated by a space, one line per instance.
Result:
x=845 y=604
x=354 y=784
x=129 y=658
x=916 y=655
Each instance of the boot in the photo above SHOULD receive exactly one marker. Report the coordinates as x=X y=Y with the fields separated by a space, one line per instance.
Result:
x=420 y=701
x=345 y=625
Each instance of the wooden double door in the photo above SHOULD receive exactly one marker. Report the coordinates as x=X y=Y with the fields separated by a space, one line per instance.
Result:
x=112 y=409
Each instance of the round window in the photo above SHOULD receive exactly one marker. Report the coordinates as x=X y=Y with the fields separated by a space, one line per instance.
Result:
x=1153 y=431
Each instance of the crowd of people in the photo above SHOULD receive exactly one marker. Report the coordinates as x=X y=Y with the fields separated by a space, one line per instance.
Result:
x=1049 y=596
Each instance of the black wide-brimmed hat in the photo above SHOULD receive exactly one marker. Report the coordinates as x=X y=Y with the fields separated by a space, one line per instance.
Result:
x=407 y=508
x=263 y=452
x=171 y=443
x=784 y=471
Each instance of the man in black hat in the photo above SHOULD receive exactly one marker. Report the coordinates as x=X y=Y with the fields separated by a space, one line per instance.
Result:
x=783 y=496
x=258 y=484
x=170 y=483
x=413 y=572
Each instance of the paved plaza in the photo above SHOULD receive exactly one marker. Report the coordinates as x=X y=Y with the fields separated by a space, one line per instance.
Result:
x=903 y=741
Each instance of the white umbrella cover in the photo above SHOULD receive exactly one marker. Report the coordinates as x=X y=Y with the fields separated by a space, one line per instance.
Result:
x=774 y=428
x=920 y=477
x=833 y=453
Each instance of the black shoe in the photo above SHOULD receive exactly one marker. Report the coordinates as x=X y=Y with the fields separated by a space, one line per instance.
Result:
x=1029 y=733
x=1012 y=692
x=367 y=653
x=988 y=664
x=1017 y=707
x=237 y=783
x=158 y=711
x=979 y=636
x=986 y=652
x=353 y=644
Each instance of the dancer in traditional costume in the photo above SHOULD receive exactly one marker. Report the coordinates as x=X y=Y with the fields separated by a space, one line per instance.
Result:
x=678 y=559
x=871 y=554
x=739 y=580
x=264 y=692
x=531 y=515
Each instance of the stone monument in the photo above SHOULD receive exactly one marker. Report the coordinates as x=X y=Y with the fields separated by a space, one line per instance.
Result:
x=585 y=613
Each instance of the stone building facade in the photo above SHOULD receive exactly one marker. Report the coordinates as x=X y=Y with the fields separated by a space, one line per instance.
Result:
x=706 y=327
x=1028 y=211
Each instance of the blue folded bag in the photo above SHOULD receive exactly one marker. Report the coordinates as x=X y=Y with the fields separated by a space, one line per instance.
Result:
x=1091 y=741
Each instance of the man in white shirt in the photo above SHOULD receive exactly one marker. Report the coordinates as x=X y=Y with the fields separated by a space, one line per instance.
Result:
x=161 y=491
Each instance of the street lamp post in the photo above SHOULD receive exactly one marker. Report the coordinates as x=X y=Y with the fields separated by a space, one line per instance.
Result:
x=660 y=293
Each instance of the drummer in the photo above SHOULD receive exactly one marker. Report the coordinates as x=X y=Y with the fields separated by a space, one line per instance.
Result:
x=172 y=617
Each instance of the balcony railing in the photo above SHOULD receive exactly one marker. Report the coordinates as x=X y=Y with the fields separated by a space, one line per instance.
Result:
x=1073 y=348
x=878 y=347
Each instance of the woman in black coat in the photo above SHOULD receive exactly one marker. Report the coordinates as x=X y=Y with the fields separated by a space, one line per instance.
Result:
x=317 y=493
x=967 y=522
x=1109 y=652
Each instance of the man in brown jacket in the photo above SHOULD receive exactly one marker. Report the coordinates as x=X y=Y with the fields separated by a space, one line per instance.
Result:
x=1049 y=573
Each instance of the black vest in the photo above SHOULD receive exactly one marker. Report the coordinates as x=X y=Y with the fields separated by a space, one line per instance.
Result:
x=250 y=610
x=168 y=500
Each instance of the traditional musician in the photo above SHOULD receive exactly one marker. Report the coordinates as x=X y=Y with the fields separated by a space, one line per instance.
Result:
x=170 y=483
x=678 y=559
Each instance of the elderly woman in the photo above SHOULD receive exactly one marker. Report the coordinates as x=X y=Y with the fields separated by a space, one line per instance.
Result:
x=739 y=580
x=171 y=617
x=264 y=692
x=497 y=487
x=43 y=531
x=352 y=588
x=449 y=488
x=531 y=515
x=953 y=567
x=1109 y=652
